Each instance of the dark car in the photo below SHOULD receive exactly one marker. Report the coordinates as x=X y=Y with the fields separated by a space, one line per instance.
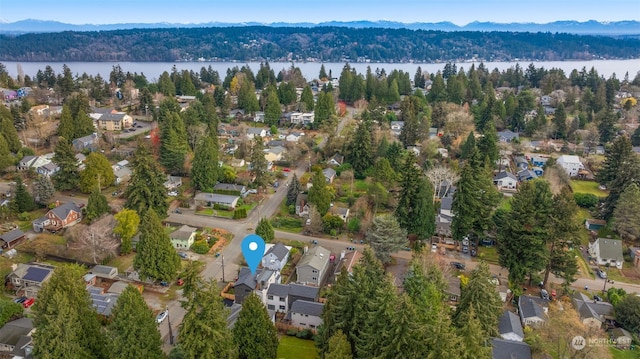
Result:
x=597 y=298
x=177 y=211
x=183 y=255
x=20 y=300
x=458 y=265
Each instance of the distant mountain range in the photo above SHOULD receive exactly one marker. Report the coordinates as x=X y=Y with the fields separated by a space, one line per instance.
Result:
x=592 y=27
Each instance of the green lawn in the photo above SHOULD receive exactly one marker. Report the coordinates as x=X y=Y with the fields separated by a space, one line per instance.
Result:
x=587 y=187
x=287 y=224
x=624 y=354
x=489 y=254
x=295 y=348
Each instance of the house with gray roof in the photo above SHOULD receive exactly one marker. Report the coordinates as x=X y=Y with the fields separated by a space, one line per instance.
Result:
x=102 y=302
x=453 y=291
x=230 y=188
x=592 y=314
x=302 y=205
x=305 y=314
x=105 y=272
x=526 y=175
x=509 y=349
x=607 y=251
x=205 y=199
x=258 y=283
x=12 y=238
x=183 y=238
x=313 y=265
x=13 y=333
x=509 y=327
x=48 y=169
x=59 y=217
x=532 y=312
x=87 y=142
x=303 y=292
x=29 y=278
x=622 y=338
x=278 y=297
x=505 y=180
x=329 y=174
x=507 y=136
x=276 y=256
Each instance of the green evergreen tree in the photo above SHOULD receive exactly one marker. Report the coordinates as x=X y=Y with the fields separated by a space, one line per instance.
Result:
x=488 y=143
x=68 y=176
x=395 y=154
x=66 y=324
x=415 y=211
x=293 y=190
x=10 y=134
x=384 y=173
x=564 y=230
x=469 y=150
x=438 y=92
x=338 y=347
x=635 y=138
x=97 y=173
x=6 y=159
x=126 y=227
x=319 y=194
x=473 y=337
x=324 y=109
x=560 y=123
x=22 y=200
x=265 y=230
x=306 y=100
x=66 y=125
x=204 y=333
x=205 y=169
x=43 y=190
x=133 y=330
x=522 y=235
x=627 y=213
x=272 y=110
x=480 y=300
x=385 y=237
x=146 y=186
x=259 y=162
x=620 y=169
x=97 y=205
x=360 y=150
x=155 y=256
x=254 y=334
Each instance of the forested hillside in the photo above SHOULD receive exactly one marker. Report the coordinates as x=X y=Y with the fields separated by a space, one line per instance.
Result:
x=257 y=43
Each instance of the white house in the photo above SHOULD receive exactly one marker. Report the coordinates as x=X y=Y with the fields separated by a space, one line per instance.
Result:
x=509 y=327
x=607 y=251
x=256 y=131
x=275 y=256
x=278 y=297
x=305 y=314
x=532 y=313
x=505 y=180
x=571 y=164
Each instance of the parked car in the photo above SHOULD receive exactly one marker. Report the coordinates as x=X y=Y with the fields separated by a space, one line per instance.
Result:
x=597 y=298
x=28 y=303
x=434 y=248
x=465 y=249
x=458 y=265
x=180 y=282
x=178 y=211
x=183 y=255
x=172 y=193
x=164 y=283
x=286 y=169
x=544 y=294
x=20 y=300
x=602 y=274
x=162 y=316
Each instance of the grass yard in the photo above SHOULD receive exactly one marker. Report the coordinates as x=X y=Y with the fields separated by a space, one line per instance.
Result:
x=624 y=354
x=587 y=187
x=296 y=348
x=287 y=224
x=123 y=263
x=489 y=254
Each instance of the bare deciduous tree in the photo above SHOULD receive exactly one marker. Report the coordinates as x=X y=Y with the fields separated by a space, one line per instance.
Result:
x=439 y=177
x=95 y=242
x=195 y=133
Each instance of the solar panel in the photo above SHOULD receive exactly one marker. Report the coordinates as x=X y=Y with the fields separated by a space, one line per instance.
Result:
x=36 y=274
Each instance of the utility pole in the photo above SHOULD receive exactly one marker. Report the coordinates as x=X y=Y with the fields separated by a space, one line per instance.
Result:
x=170 y=330
x=222 y=255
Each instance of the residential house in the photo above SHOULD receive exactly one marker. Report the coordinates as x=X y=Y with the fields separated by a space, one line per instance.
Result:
x=433 y=133
x=211 y=199
x=29 y=278
x=521 y=163
x=526 y=175
x=621 y=338
x=14 y=335
x=80 y=158
x=102 y=302
x=538 y=171
x=274 y=154
x=539 y=161
x=592 y=314
x=595 y=224
x=89 y=142
x=509 y=349
x=302 y=205
x=48 y=170
x=59 y=217
x=336 y=160
x=238 y=113
x=12 y=238
x=114 y=121
x=278 y=298
x=571 y=164
x=258 y=117
x=507 y=136
x=313 y=265
x=173 y=182
x=396 y=127
x=606 y=251
x=104 y=272
x=276 y=256
x=510 y=327
x=183 y=238
x=121 y=172
x=329 y=174
x=414 y=149
x=341 y=212
x=26 y=162
x=532 y=312
x=294 y=136
x=237 y=162
x=453 y=291
x=505 y=180
x=347 y=261
x=300 y=118
x=258 y=283
x=252 y=132
x=230 y=188
x=307 y=315
x=303 y=292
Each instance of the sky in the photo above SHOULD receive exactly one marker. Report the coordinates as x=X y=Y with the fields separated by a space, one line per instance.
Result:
x=459 y=12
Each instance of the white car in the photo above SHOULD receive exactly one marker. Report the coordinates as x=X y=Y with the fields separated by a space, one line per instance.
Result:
x=172 y=193
x=434 y=248
x=162 y=316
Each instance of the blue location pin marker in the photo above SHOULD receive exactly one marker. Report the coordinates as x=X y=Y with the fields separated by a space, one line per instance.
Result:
x=253 y=250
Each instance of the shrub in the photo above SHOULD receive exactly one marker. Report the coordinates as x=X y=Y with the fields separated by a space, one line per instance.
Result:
x=24 y=216
x=200 y=247
x=240 y=213
x=586 y=200
x=9 y=311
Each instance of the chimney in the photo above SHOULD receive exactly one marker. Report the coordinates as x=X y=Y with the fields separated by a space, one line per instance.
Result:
x=57 y=203
x=14 y=267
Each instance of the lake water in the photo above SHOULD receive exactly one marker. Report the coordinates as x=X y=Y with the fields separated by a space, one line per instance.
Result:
x=153 y=70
